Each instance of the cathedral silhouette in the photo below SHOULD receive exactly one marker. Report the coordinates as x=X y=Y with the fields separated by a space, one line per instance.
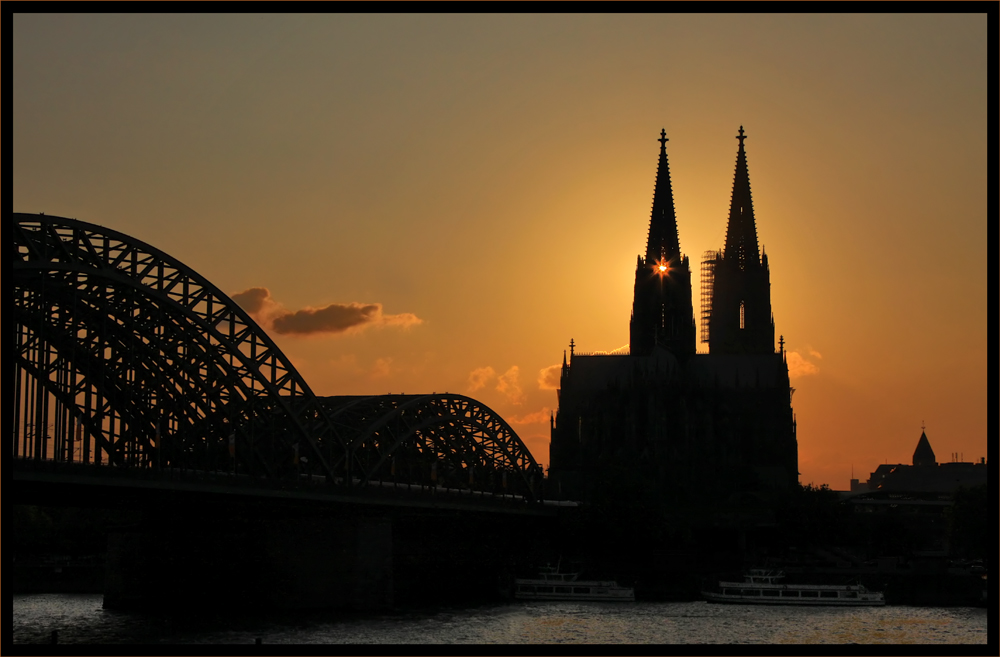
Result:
x=708 y=427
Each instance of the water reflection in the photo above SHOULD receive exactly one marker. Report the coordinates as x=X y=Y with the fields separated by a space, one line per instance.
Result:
x=81 y=619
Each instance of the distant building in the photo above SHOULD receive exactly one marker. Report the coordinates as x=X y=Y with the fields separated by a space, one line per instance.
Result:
x=917 y=495
x=925 y=475
x=696 y=425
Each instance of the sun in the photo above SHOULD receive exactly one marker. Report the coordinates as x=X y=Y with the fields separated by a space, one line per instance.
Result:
x=662 y=267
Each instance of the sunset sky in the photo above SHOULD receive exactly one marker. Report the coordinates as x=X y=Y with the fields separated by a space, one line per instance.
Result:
x=439 y=203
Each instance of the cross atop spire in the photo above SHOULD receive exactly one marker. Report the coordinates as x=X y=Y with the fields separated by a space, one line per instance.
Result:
x=663 y=141
x=741 y=137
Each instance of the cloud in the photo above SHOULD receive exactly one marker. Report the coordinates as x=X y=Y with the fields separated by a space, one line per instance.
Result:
x=345 y=366
x=335 y=318
x=332 y=319
x=256 y=301
x=346 y=362
x=537 y=417
x=381 y=369
x=404 y=320
x=548 y=377
x=508 y=383
x=799 y=366
x=509 y=386
x=479 y=377
x=617 y=350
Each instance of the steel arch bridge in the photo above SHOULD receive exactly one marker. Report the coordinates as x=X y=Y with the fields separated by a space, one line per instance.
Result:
x=125 y=358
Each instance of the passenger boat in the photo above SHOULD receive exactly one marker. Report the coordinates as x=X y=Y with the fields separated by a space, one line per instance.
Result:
x=554 y=585
x=765 y=587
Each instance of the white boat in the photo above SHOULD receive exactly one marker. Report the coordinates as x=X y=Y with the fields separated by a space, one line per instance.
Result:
x=554 y=585
x=764 y=587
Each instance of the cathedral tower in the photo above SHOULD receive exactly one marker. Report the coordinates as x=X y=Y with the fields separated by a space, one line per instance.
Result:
x=661 y=306
x=740 y=321
x=697 y=428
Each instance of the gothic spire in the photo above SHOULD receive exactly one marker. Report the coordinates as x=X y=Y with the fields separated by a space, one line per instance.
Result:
x=663 y=240
x=741 y=234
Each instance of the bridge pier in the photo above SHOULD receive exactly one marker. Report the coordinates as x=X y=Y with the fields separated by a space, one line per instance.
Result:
x=332 y=562
x=339 y=563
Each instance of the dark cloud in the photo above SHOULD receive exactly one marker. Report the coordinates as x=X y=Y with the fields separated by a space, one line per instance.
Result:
x=334 y=318
x=252 y=300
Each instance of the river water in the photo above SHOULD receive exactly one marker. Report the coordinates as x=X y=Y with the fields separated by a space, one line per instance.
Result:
x=79 y=618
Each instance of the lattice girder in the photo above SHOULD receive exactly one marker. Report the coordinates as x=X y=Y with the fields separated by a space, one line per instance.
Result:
x=444 y=438
x=126 y=357
x=153 y=303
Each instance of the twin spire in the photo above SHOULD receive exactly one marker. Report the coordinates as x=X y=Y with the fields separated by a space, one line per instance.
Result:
x=741 y=235
x=663 y=241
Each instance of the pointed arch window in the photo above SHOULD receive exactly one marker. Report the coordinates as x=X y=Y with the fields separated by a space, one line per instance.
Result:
x=743 y=323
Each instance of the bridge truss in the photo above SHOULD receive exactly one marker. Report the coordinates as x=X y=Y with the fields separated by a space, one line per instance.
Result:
x=123 y=357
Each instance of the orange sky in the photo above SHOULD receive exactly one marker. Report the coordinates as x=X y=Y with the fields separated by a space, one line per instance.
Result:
x=439 y=203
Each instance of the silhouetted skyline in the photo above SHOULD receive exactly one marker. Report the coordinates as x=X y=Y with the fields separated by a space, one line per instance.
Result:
x=439 y=203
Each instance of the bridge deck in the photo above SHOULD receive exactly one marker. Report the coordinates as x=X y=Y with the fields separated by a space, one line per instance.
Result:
x=75 y=484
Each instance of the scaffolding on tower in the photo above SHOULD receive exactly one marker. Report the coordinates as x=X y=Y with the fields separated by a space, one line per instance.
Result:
x=707 y=286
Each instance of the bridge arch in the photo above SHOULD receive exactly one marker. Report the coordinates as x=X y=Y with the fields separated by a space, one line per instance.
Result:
x=449 y=439
x=125 y=357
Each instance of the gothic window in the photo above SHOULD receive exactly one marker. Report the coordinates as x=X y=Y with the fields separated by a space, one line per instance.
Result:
x=742 y=316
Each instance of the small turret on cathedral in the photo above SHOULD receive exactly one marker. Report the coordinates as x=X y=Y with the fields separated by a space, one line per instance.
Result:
x=661 y=307
x=740 y=321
